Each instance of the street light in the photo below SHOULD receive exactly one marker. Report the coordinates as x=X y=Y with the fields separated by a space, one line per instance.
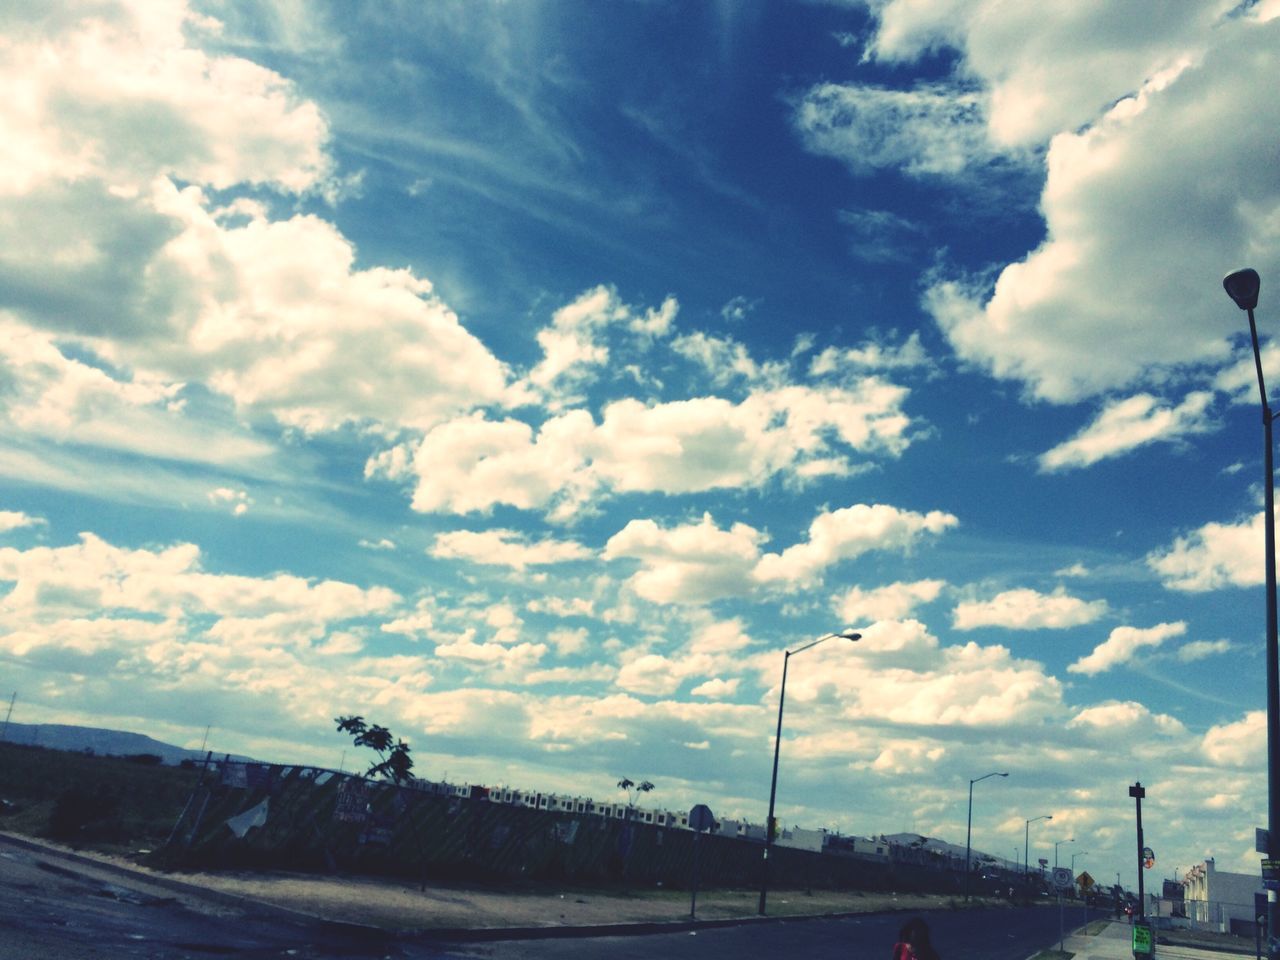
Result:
x=777 y=744
x=1056 y=844
x=1243 y=287
x=1026 y=844
x=1082 y=853
x=968 y=830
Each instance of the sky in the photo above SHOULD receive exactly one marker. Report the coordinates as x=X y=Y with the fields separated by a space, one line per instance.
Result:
x=527 y=377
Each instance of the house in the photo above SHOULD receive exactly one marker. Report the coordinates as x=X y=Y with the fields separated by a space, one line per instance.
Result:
x=1220 y=900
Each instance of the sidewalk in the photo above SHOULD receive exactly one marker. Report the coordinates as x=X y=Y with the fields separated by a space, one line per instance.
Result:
x=1114 y=943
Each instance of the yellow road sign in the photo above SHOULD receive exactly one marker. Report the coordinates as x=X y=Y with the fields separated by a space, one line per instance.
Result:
x=1084 y=880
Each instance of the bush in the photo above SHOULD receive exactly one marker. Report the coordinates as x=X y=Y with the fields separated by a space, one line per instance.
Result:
x=81 y=813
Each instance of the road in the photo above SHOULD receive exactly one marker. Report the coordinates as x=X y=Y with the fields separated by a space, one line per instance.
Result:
x=57 y=910
x=958 y=935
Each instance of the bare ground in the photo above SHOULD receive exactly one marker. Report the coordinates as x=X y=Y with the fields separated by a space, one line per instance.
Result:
x=399 y=905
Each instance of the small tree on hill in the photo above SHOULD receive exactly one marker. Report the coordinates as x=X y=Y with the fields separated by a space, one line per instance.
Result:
x=394 y=762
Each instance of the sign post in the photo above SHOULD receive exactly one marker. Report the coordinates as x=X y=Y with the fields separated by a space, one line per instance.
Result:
x=700 y=818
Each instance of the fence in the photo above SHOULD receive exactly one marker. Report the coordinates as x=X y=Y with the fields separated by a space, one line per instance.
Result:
x=1214 y=916
x=259 y=816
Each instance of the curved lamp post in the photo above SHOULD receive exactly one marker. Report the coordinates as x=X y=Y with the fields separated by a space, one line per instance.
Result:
x=1056 y=844
x=1243 y=287
x=1082 y=853
x=777 y=744
x=968 y=830
x=1026 y=844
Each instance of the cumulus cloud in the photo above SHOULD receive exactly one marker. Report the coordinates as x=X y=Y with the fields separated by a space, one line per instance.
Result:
x=1123 y=644
x=895 y=601
x=1238 y=744
x=1215 y=556
x=1027 y=609
x=575 y=344
x=507 y=548
x=1125 y=425
x=1108 y=718
x=847 y=533
x=691 y=563
x=16 y=520
x=1143 y=179
x=120 y=128
x=700 y=562
x=474 y=463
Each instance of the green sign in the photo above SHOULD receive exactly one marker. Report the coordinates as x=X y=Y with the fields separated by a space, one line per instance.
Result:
x=1143 y=942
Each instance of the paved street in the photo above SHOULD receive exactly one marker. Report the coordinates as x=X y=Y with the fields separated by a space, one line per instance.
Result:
x=961 y=935
x=56 y=907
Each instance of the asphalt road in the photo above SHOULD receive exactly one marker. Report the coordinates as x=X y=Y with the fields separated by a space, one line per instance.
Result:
x=958 y=935
x=53 y=909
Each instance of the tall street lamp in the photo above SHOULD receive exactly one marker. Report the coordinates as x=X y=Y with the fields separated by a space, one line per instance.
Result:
x=1243 y=287
x=1056 y=844
x=777 y=744
x=968 y=830
x=1026 y=844
x=1082 y=853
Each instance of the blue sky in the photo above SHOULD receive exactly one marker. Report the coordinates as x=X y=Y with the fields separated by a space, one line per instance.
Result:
x=527 y=377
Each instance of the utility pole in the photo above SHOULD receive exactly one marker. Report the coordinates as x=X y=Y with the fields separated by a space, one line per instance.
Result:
x=1137 y=791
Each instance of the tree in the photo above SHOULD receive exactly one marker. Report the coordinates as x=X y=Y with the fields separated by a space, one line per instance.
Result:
x=394 y=762
x=629 y=785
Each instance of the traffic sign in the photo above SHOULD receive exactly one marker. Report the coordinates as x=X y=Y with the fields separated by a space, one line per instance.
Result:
x=1271 y=874
x=701 y=818
x=1084 y=880
x=1143 y=941
x=1062 y=880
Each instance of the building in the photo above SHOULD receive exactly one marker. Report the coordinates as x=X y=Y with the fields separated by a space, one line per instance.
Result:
x=1219 y=900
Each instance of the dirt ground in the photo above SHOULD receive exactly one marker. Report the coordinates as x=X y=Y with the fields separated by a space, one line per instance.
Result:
x=404 y=906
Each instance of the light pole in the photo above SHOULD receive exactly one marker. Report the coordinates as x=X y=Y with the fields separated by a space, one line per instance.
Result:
x=968 y=830
x=777 y=744
x=1243 y=287
x=1082 y=853
x=1056 y=844
x=1026 y=844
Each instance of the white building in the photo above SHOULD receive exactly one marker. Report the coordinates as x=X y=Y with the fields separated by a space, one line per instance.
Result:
x=1220 y=900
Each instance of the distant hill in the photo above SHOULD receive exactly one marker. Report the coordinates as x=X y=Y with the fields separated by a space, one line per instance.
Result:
x=112 y=743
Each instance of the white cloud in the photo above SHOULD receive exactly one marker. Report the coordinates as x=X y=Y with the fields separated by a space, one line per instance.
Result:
x=847 y=533
x=931 y=130
x=706 y=443
x=691 y=563
x=1116 y=717
x=507 y=548
x=895 y=601
x=1215 y=556
x=1238 y=744
x=1118 y=292
x=238 y=501
x=1123 y=644
x=700 y=562
x=873 y=355
x=1049 y=67
x=1125 y=425
x=716 y=689
x=1026 y=609
x=1201 y=649
x=16 y=520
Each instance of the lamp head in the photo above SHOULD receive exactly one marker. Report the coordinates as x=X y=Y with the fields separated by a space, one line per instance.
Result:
x=851 y=635
x=1242 y=287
